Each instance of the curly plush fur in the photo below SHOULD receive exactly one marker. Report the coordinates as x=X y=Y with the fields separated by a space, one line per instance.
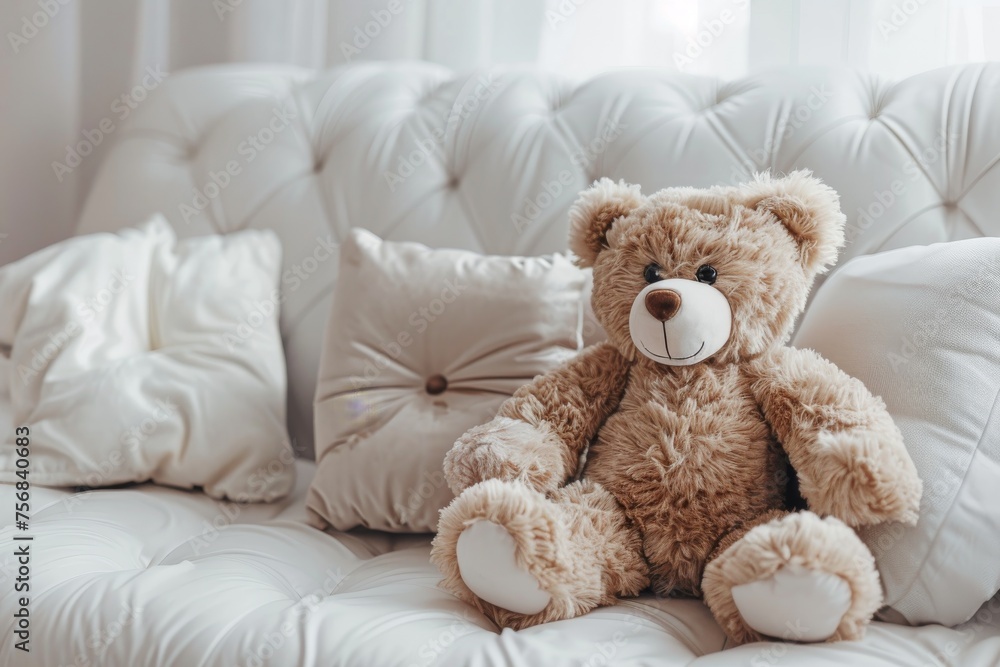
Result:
x=685 y=481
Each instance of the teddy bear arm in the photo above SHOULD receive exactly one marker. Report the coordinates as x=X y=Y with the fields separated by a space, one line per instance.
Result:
x=540 y=432
x=575 y=399
x=840 y=439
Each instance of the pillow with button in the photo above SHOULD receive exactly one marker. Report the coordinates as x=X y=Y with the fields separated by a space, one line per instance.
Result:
x=421 y=345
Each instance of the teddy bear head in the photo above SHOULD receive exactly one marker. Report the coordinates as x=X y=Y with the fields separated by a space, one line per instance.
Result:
x=691 y=275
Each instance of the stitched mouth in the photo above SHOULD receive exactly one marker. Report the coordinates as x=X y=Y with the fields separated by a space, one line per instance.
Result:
x=667 y=356
x=666 y=347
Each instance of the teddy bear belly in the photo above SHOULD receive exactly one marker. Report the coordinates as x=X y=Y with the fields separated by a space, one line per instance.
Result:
x=689 y=485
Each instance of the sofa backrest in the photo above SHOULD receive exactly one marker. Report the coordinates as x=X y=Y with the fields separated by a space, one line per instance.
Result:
x=491 y=161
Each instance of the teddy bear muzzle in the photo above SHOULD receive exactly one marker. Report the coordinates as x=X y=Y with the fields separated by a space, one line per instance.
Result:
x=678 y=322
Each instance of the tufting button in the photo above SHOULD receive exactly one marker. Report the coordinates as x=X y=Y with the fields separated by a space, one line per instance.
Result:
x=436 y=384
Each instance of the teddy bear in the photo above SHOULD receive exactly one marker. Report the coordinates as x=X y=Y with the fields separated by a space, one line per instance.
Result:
x=693 y=452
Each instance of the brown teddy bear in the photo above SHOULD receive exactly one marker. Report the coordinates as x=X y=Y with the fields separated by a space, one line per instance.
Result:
x=667 y=455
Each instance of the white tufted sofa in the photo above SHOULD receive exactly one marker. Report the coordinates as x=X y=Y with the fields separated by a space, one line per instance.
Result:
x=489 y=161
x=492 y=161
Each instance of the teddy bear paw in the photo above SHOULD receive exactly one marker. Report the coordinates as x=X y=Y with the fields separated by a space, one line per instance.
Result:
x=506 y=449
x=864 y=478
x=487 y=560
x=794 y=604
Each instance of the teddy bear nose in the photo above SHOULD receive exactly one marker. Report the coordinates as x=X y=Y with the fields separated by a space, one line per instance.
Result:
x=663 y=303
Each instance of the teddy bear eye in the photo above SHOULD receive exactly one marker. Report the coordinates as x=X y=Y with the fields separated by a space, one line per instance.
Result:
x=652 y=274
x=707 y=274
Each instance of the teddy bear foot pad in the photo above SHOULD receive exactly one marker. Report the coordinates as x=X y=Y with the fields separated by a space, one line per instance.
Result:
x=795 y=604
x=798 y=577
x=485 y=555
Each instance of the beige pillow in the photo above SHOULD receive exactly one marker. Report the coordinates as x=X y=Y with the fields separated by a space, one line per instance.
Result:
x=422 y=345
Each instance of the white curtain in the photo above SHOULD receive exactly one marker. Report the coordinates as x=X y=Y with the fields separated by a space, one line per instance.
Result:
x=68 y=63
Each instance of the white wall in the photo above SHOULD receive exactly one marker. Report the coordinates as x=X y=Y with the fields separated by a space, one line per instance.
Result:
x=63 y=76
x=38 y=120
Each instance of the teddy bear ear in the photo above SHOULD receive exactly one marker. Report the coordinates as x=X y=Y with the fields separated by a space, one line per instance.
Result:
x=809 y=210
x=592 y=215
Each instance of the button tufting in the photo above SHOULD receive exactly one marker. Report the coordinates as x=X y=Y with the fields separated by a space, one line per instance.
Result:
x=436 y=384
x=517 y=129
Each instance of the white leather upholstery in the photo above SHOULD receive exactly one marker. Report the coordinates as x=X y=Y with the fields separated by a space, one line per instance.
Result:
x=492 y=161
x=153 y=576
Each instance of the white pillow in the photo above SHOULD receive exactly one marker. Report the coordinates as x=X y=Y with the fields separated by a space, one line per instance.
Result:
x=921 y=327
x=422 y=345
x=132 y=356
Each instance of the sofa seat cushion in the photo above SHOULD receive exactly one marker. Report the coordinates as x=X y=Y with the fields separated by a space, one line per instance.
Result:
x=157 y=576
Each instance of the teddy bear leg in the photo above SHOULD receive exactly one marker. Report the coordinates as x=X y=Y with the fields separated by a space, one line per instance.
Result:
x=523 y=558
x=794 y=577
